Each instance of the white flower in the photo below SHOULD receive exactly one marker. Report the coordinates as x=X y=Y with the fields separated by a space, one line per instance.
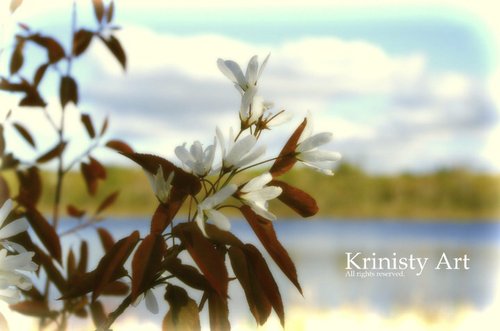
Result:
x=308 y=152
x=11 y=277
x=161 y=187
x=240 y=153
x=150 y=299
x=197 y=160
x=13 y=228
x=12 y=265
x=206 y=209
x=233 y=71
x=255 y=195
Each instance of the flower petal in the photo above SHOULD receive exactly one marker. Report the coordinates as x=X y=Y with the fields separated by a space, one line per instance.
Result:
x=5 y=210
x=314 y=141
x=200 y=221
x=218 y=219
x=218 y=197
x=264 y=194
x=251 y=157
x=183 y=154
x=319 y=156
x=259 y=210
x=239 y=149
x=222 y=143
x=14 y=228
x=232 y=71
x=151 y=303
x=257 y=182
x=252 y=68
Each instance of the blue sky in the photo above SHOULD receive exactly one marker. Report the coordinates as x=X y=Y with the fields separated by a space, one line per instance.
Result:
x=404 y=88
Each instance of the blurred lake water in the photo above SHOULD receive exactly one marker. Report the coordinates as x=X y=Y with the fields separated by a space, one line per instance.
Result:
x=319 y=248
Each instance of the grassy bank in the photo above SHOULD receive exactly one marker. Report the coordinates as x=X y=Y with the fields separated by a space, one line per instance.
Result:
x=446 y=194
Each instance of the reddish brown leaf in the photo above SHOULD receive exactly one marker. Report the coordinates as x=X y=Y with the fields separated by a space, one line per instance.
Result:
x=189 y=275
x=24 y=133
x=32 y=99
x=264 y=230
x=298 y=200
x=75 y=212
x=218 y=313
x=183 y=181
x=104 y=127
x=53 y=273
x=110 y=12
x=92 y=172
x=9 y=161
x=84 y=255
x=258 y=303
x=81 y=41
x=116 y=49
x=87 y=122
x=107 y=202
x=205 y=255
x=34 y=308
x=145 y=263
x=52 y=153
x=17 y=59
x=262 y=274
x=98 y=10
x=55 y=51
x=45 y=232
x=166 y=212
x=116 y=289
x=286 y=159
x=98 y=313
x=68 y=91
x=30 y=186
x=107 y=240
x=39 y=74
x=183 y=314
x=71 y=263
x=111 y=265
x=119 y=146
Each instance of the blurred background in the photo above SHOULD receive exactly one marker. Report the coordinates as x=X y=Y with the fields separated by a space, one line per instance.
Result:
x=411 y=92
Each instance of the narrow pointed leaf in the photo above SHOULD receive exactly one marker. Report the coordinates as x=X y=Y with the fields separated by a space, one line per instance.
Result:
x=295 y=198
x=34 y=308
x=286 y=159
x=52 y=153
x=111 y=264
x=205 y=255
x=264 y=230
x=119 y=146
x=218 y=313
x=45 y=232
x=25 y=134
x=68 y=91
x=116 y=49
x=87 y=122
x=145 y=263
x=107 y=202
x=81 y=41
x=98 y=10
x=75 y=212
x=107 y=240
x=265 y=279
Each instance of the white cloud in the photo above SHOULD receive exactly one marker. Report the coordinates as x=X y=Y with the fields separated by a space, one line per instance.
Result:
x=173 y=92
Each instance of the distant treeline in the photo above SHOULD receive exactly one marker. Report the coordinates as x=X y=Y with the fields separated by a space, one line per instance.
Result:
x=445 y=194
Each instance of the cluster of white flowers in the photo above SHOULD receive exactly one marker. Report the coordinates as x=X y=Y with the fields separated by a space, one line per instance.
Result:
x=14 y=259
x=239 y=152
